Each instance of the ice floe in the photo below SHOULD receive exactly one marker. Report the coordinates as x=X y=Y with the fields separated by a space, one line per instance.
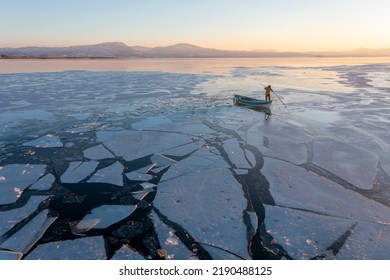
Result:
x=209 y=208
x=367 y=242
x=87 y=248
x=125 y=253
x=111 y=175
x=103 y=216
x=47 y=141
x=302 y=234
x=26 y=237
x=77 y=171
x=355 y=165
x=98 y=152
x=236 y=154
x=9 y=255
x=9 y=219
x=297 y=188
x=171 y=244
x=15 y=178
x=136 y=144
x=44 y=183
x=135 y=176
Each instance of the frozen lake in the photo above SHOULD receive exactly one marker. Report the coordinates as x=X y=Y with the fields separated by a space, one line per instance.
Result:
x=150 y=159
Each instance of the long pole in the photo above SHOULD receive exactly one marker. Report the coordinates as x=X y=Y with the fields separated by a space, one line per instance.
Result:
x=276 y=95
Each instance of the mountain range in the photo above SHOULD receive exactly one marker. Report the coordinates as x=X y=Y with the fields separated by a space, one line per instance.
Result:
x=121 y=50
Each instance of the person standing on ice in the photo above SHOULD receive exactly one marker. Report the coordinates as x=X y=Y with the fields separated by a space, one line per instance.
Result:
x=268 y=93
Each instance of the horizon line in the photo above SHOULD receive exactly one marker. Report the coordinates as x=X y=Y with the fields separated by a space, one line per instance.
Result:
x=361 y=48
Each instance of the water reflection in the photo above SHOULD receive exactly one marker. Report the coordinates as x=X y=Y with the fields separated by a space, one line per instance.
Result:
x=266 y=110
x=182 y=65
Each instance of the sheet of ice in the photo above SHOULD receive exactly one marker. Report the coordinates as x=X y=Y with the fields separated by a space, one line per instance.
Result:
x=27 y=236
x=14 y=118
x=98 y=152
x=47 y=141
x=386 y=167
x=159 y=123
x=111 y=175
x=367 y=242
x=236 y=153
x=137 y=144
x=276 y=127
x=104 y=216
x=112 y=133
x=135 y=176
x=199 y=161
x=84 y=127
x=185 y=149
x=88 y=248
x=192 y=127
x=125 y=253
x=302 y=234
x=119 y=96
x=321 y=116
x=161 y=160
x=208 y=204
x=355 y=165
x=78 y=170
x=170 y=243
x=9 y=255
x=220 y=254
x=15 y=178
x=147 y=185
x=281 y=140
x=44 y=183
x=354 y=136
x=287 y=150
x=294 y=187
x=10 y=218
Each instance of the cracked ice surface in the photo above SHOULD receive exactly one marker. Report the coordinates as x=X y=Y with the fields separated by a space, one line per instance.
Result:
x=25 y=238
x=78 y=171
x=15 y=178
x=211 y=189
x=88 y=248
x=295 y=187
x=173 y=247
x=125 y=253
x=136 y=144
x=98 y=152
x=357 y=166
x=111 y=175
x=157 y=165
x=47 y=141
x=104 y=216
x=9 y=219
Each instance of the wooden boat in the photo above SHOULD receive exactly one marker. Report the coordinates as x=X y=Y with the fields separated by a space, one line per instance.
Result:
x=251 y=102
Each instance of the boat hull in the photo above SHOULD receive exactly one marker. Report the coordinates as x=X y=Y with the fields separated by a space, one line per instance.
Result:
x=251 y=102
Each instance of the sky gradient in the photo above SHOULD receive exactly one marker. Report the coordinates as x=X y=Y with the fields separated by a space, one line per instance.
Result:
x=283 y=25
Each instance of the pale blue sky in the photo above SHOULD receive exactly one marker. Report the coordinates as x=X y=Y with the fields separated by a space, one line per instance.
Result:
x=296 y=25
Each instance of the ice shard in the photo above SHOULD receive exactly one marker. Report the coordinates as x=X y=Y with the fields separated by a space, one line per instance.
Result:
x=77 y=171
x=15 y=178
x=28 y=235
x=111 y=175
x=103 y=217
x=47 y=141
x=87 y=248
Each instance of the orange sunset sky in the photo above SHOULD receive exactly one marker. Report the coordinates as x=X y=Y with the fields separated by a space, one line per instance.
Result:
x=282 y=25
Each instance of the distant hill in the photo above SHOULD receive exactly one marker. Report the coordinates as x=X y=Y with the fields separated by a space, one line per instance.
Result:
x=121 y=50
x=114 y=49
